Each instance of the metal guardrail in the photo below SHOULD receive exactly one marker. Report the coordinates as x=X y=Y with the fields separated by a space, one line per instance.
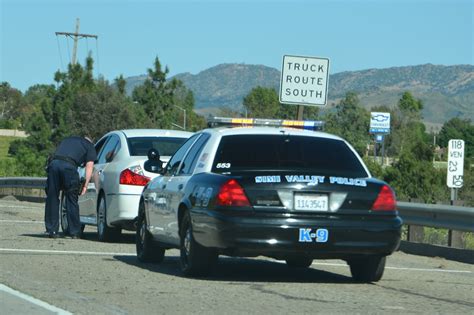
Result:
x=433 y=215
x=23 y=182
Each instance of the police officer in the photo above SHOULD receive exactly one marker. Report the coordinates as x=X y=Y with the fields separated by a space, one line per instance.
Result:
x=63 y=175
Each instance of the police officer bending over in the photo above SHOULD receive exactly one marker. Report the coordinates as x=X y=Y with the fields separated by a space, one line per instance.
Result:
x=63 y=175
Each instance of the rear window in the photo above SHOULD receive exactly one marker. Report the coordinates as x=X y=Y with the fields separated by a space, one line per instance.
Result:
x=167 y=146
x=274 y=152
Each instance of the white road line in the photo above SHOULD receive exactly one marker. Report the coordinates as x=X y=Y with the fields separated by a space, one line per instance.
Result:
x=62 y=252
x=20 y=221
x=400 y=268
x=32 y=300
x=18 y=207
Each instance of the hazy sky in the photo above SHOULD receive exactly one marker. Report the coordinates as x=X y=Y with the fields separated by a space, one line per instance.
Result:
x=191 y=36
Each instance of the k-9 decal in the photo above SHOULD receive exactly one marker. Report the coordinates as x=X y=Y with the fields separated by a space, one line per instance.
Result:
x=308 y=236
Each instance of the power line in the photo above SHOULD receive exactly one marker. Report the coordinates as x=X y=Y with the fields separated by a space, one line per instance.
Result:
x=60 y=54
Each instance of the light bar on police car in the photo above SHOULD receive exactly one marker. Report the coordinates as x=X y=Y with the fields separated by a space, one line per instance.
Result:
x=302 y=124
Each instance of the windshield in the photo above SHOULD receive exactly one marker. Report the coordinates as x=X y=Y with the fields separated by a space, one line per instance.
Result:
x=166 y=146
x=274 y=152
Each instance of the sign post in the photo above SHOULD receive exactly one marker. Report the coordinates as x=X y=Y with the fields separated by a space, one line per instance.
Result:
x=304 y=81
x=379 y=125
x=455 y=172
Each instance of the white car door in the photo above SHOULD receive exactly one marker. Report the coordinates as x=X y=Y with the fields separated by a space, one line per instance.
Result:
x=87 y=202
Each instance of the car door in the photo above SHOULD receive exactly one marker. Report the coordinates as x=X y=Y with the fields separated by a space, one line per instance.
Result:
x=161 y=214
x=87 y=202
x=100 y=169
x=177 y=183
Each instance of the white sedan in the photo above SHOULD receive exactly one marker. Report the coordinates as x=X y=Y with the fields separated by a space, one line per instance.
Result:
x=113 y=194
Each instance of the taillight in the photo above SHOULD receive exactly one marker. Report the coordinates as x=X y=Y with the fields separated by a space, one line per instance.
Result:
x=385 y=200
x=127 y=177
x=232 y=194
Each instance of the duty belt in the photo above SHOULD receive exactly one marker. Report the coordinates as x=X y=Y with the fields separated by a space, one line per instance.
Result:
x=65 y=158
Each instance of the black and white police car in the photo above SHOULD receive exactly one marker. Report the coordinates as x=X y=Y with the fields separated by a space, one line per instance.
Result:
x=264 y=187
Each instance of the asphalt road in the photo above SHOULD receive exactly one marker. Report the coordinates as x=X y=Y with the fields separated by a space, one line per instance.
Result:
x=88 y=277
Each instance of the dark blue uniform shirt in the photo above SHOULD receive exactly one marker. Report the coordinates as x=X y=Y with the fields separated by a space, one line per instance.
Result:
x=77 y=148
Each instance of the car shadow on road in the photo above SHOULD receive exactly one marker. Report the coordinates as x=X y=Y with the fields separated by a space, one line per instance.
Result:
x=126 y=238
x=245 y=270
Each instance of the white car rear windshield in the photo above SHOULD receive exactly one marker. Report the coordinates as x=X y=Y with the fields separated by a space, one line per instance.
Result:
x=166 y=146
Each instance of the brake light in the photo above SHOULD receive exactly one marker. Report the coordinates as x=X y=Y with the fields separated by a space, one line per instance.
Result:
x=127 y=177
x=385 y=200
x=232 y=194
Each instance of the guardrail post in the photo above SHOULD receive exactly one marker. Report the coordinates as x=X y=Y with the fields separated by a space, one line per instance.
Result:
x=416 y=233
x=455 y=238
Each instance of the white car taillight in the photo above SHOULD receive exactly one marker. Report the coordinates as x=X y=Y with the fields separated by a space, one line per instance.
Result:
x=133 y=176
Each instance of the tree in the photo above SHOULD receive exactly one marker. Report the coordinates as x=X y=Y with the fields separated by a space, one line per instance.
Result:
x=184 y=101
x=262 y=102
x=457 y=128
x=11 y=107
x=412 y=178
x=351 y=122
x=156 y=96
x=409 y=132
x=121 y=83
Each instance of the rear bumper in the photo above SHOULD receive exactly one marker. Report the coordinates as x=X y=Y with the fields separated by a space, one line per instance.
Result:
x=122 y=210
x=281 y=237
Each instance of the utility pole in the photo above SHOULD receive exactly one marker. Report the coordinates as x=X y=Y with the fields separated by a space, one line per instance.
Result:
x=76 y=36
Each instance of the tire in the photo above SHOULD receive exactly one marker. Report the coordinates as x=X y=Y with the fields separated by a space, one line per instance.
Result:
x=104 y=232
x=147 y=250
x=63 y=214
x=368 y=269
x=195 y=259
x=299 y=262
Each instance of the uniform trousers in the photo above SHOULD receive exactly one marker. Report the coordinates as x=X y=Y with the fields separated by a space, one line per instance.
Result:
x=62 y=175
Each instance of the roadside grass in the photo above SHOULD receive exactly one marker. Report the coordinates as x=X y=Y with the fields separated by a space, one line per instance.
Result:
x=4 y=145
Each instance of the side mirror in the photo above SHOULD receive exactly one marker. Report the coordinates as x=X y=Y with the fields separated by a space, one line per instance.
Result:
x=153 y=164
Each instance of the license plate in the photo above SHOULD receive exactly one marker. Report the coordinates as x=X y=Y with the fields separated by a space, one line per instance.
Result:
x=311 y=202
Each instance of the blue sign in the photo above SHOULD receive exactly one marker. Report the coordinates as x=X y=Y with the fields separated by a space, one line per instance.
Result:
x=379 y=138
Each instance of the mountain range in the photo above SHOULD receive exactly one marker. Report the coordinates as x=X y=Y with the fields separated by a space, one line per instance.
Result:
x=446 y=91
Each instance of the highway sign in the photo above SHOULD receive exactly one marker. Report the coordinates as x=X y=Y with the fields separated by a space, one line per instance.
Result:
x=304 y=80
x=455 y=163
x=379 y=122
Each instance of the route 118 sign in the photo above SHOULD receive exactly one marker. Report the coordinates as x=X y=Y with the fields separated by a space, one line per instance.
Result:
x=455 y=163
